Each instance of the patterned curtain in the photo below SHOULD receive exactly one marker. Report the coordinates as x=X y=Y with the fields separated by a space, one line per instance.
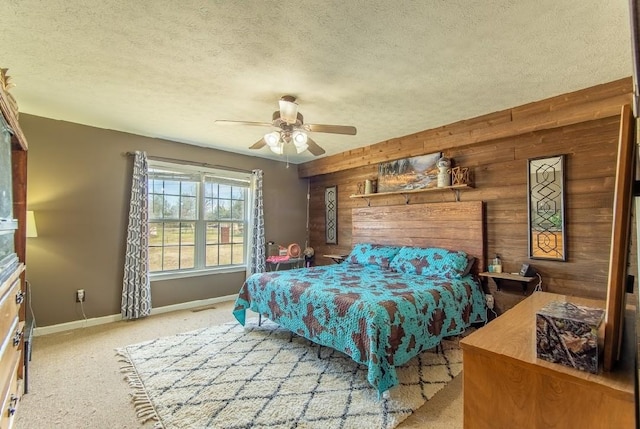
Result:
x=256 y=223
x=136 y=289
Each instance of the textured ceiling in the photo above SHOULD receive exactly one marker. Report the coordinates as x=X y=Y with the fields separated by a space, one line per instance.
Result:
x=168 y=69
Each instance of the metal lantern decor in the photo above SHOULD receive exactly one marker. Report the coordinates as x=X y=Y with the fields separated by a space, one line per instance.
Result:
x=460 y=176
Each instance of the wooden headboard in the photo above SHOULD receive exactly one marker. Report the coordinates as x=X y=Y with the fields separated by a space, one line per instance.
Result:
x=453 y=226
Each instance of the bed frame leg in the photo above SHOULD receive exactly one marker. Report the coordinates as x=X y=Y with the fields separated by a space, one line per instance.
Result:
x=319 y=350
x=259 y=319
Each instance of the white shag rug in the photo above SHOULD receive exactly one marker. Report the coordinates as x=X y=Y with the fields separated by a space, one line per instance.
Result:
x=237 y=377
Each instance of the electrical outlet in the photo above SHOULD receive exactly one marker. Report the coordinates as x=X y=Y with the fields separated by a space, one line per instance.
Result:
x=80 y=297
x=490 y=302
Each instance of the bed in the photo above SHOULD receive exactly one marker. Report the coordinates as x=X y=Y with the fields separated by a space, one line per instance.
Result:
x=405 y=286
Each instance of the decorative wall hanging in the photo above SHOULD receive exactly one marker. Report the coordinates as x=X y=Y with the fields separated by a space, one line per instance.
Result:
x=547 y=236
x=418 y=172
x=331 y=214
x=460 y=176
x=294 y=250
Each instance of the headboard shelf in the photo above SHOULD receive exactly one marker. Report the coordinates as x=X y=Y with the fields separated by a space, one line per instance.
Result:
x=406 y=194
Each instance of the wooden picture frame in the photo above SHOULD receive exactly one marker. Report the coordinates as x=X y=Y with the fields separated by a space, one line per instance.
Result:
x=622 y=205
x=546 y=203
x=418 y=172
x=331 y=214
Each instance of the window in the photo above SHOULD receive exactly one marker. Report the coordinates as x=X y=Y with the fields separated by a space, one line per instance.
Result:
x=197 y=218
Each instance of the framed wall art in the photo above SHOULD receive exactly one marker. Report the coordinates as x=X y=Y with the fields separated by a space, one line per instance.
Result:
x=547 y=232
x=418 y=172
x=331 y=214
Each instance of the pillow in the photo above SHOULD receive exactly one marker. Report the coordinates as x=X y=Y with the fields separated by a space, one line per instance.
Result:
x=432 y=261
x=470 y=261
x=372 y=254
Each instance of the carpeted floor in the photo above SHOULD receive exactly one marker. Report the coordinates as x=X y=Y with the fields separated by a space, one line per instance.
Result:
x=75 y=381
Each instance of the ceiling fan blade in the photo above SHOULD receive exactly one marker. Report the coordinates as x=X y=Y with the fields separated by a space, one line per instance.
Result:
x=258 y=145
x=334 y=129
x=314 y=148
x=257 y=124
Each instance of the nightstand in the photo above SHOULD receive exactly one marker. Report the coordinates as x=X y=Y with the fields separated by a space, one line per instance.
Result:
x=291 y=262
x=499 y=278
x=336 y=258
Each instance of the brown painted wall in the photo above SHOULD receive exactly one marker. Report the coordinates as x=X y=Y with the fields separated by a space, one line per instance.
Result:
x=79 y=186
x=499 y=168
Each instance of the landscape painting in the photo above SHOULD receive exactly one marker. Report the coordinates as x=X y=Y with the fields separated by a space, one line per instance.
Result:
x=418 y=172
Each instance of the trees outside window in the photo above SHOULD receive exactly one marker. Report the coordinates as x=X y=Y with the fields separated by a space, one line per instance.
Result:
x=197 y=218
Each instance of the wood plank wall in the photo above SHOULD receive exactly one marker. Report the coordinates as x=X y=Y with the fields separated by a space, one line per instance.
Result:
x=583 y=125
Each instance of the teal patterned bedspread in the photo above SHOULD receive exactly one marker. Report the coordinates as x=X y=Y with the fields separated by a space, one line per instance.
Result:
x=380 y=318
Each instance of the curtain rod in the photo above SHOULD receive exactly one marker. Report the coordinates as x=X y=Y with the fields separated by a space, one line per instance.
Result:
x=198 y=164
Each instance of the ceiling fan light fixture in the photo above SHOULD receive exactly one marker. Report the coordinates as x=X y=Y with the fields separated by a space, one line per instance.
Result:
x=288 y=109
x=272 y=139
x=300 y=141
x=278 y=149
x=291 y=128
x=302 y=147
x=299 y=138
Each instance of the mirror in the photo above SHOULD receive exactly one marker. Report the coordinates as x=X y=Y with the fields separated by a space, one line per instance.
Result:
x=331 y=214
x=546 y=208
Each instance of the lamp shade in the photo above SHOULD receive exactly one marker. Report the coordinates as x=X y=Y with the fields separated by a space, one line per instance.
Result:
x=299 y=138
x=301 y=147
x=300 y=141
x=288 y=110
x=272 y=139
x=278 y=149
x=32 y=231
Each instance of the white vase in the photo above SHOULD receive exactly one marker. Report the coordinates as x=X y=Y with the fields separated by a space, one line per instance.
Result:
x=368 y=188
x=444 y=176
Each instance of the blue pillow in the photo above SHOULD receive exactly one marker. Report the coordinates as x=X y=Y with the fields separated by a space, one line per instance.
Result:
x=372 y=254
x=431 y=261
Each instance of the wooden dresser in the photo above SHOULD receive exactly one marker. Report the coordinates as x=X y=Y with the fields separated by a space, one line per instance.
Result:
x=11 y=357
x=13 y=214
x=506 y=386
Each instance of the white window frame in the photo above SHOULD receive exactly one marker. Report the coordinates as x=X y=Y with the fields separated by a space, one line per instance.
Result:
x=200 y=237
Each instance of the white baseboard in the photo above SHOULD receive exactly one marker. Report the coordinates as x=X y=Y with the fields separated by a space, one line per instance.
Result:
x=68 y=326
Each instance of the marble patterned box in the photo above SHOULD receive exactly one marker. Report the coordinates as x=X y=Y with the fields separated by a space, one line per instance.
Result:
x=568 y=334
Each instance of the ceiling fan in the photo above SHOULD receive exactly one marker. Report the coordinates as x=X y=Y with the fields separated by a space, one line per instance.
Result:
x=291 y=129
